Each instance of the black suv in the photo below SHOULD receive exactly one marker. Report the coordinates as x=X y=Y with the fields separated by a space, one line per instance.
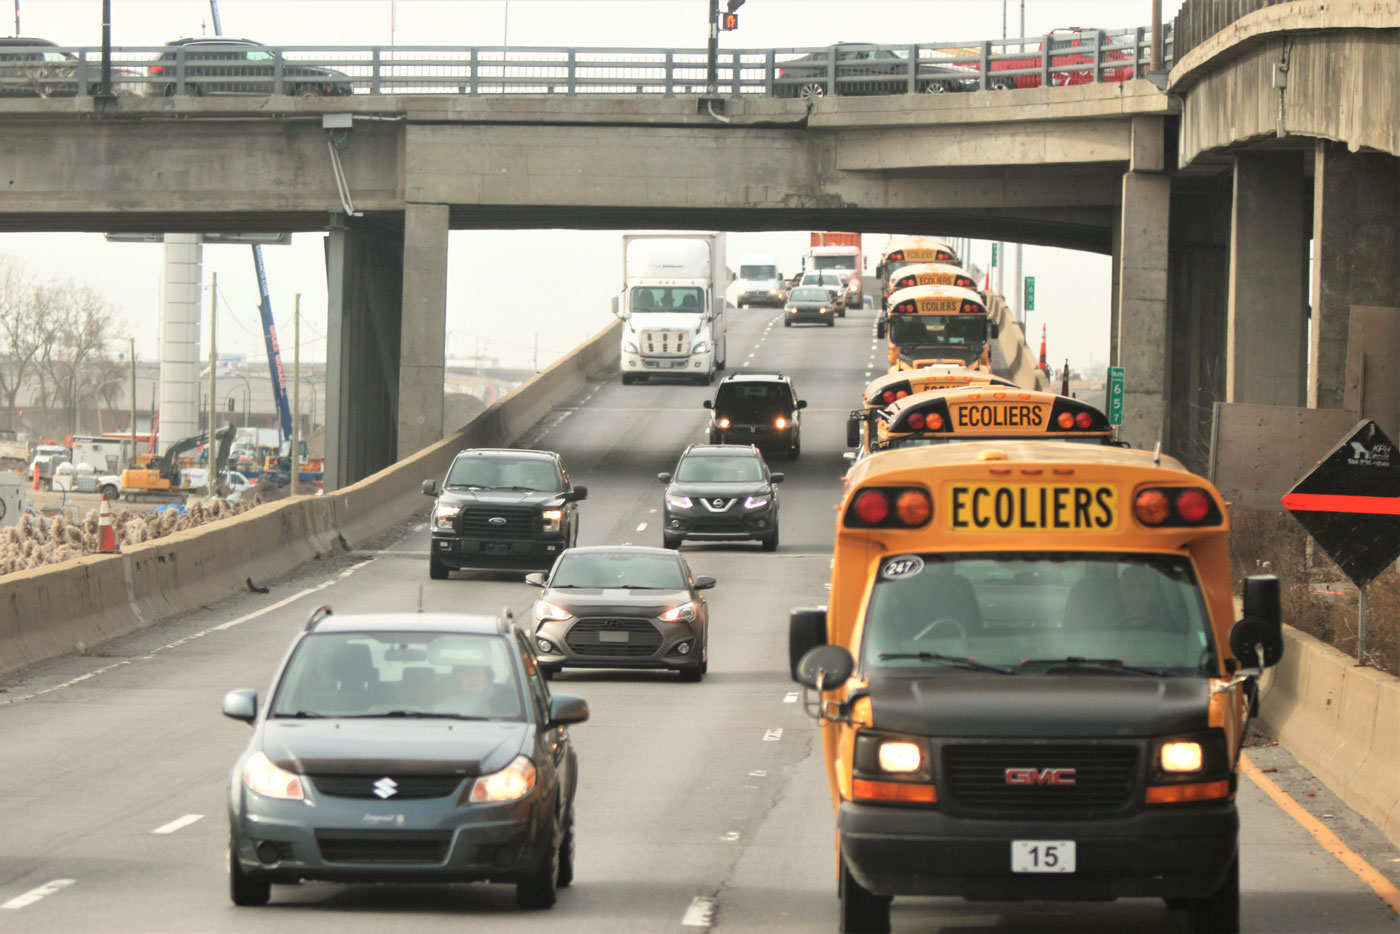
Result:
x=721 y=492
x=757 y=408
x=405 y=747
x=502 y=508
x=218 y=66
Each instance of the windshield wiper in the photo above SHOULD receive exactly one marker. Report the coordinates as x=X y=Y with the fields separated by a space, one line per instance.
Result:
x=952 y=660
x=523 y=489
x=299 y=715
x=1109 y=664
x=412 y=713
x=467 y=486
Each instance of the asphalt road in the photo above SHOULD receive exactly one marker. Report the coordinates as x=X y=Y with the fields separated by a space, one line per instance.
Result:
x=700 y=806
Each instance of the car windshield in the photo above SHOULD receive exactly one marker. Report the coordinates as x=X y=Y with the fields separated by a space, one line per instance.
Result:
x=809 y=295
x=834 y=262
x=649 y=572
x=668 y=298
x=938 y=331
x=504 y=473
x=719 y=468
x=758 y=272
x=400 y=674
x=1033 y=612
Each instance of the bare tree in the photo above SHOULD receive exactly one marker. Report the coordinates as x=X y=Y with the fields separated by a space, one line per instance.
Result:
x=76 y=359
x=20 y=337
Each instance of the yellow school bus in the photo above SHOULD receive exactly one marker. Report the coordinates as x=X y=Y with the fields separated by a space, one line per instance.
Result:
x=1030 y=680
x=986 y=412
x=892 y=387
x=930 y=324
x=900 y=252
x=931 y=274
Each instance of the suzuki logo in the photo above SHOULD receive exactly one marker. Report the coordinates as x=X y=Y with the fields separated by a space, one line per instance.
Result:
x=386 y=787
x=496 y=520
x=1024 y=776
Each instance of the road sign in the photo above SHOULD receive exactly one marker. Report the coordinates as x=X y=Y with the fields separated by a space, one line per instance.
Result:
x=1030 y=293
x=994 y=253
x=1350 y=503
x=1115 y=396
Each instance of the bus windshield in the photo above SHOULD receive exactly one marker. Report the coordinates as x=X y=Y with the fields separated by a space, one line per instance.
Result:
x=938 y=331
x=834 y=262
x=647 y=299
x=1037 y=612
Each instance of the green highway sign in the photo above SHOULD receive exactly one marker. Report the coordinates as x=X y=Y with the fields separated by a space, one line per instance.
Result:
x=1115 y=396
x=1030 y=293
x=994 y=254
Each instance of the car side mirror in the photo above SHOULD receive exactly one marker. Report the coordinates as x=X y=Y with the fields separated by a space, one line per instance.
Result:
x=802 y=403
x=566 y=708
x=806 y=631
x=241 y=704
x=430 y=488
x=664 y=477
x=535 y=578
x=708 y=404
x=776 y=478
x=704 y=582
x=577 y=493
x=825 y=667
x=1261 y=629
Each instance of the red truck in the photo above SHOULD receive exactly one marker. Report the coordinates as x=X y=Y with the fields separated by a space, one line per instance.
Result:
x=1068 y=47
x=838 y=251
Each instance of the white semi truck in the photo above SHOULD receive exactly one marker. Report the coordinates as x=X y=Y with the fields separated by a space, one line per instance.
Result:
x=672 y=305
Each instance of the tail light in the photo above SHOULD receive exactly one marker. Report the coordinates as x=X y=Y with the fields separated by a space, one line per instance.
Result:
x=972 y=308
x=1175 y=507
x=155 y=69
x=889 y=508
x=931 y=417
x=1073 y=415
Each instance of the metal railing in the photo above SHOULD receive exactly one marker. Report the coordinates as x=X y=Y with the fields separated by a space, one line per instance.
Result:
x=1198 y=20
x=1063 y=58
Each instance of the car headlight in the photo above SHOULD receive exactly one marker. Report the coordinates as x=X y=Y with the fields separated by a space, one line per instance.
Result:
x=772 y=291
x=443 y=516
x=629 y=345
x=678 y=502
x=700 y=346
x=544 y=610
x=821 y=310
x=1181 y=757
x=262 y=776
x=722 y=422
x=679 y=614
x=553 y=518
x=780 y=423
x=511 y=783
x=898 y=756
x=755 y=502
x=791 y=309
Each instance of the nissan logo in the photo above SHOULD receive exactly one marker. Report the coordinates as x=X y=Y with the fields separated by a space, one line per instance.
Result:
x=719 y=504
x=496 y=520
x=1030 y=776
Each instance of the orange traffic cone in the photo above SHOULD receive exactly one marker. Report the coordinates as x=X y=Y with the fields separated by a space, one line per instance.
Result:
x=1043 y=364
x=106 y=534
x=36 y=477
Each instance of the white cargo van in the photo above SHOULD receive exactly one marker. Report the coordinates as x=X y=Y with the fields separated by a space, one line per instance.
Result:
x=759 y=282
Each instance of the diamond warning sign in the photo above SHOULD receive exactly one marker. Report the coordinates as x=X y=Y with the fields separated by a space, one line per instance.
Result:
x=1350 y=503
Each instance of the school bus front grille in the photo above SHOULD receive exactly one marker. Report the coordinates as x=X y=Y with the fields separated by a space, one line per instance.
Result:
x=1040 y=780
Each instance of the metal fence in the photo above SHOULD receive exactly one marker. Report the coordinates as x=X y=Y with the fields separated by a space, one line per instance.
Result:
x=224 y=68
x=1198 y=20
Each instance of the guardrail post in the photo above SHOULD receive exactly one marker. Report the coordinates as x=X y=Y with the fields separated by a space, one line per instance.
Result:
x=573 y=72
x=474 y=63
x=180 y=61
x=831 y=71
x=986 y=66
x=1045 y=77
x=736 y=80
x=1098 y=55
x=770 y=70
x=82 y=74
x=670 y=88
x=912 y=87
x=277 y=86
x=1138 y=68
x=374 y=82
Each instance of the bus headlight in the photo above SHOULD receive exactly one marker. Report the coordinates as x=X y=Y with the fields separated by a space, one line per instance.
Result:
x=1181 y=757
x=900 y=757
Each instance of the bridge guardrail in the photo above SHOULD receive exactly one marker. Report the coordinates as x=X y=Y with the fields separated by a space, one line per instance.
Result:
x=1068 y=57
x=1198 y=20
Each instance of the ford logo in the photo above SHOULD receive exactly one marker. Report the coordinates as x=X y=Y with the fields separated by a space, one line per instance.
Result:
x=496 y=520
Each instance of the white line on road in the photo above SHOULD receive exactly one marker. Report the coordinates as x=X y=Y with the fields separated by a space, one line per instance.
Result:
x=33 y=895
x=700 y=914
x=731 y=836
x=790 y=697
x=177 y=823
x=759 y=773
x=642 y=527
x=772 y=736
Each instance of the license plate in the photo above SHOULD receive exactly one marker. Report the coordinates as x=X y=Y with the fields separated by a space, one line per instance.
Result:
x=1033 y=507
x=609 y=636
x=1042 y=856
x=495 y=546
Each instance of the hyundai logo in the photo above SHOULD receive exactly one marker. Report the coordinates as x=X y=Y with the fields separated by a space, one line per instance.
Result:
x=612 y=623
x=496 y=520
x=1029 y=776
x=386 y=787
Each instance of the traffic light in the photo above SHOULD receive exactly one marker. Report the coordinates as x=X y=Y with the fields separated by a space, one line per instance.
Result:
x=728 y=21
x=734 y=5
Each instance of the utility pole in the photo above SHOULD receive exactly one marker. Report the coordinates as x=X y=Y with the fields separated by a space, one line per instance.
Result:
x=1156 y=66
x=294 y=457
x=712 y=60
x=213 y=359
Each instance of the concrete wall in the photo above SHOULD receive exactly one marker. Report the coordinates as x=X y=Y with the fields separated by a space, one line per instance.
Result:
x=71 y=607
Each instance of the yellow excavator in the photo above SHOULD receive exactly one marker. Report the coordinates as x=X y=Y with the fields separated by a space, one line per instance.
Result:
x=161 y=480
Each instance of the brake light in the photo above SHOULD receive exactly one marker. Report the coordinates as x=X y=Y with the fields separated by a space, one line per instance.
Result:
x=872 y=507
x=1083 y=420
x=1176 y=507
x=155 y=69
x=888 y=396
x=915 y=421
x=1192 y=505
x=894 y=508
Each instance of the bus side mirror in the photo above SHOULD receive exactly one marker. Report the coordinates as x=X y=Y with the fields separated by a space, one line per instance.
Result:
x=1261 y=629
x=806 y=631
x=995 y=330
x=852 y=432
x=880 y=329
x=825 y=668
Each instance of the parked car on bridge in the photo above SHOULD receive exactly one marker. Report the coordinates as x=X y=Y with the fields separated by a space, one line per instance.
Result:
x=862 y=68
x=222 y=66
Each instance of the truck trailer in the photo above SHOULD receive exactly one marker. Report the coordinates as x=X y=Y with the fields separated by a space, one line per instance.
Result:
x=672 y=305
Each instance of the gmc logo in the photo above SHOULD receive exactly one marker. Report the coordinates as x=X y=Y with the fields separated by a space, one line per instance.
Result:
x=1039 y=776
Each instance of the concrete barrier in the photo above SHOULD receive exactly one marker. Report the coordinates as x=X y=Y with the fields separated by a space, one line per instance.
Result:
x=1341 y=722
x=65 y=608
x=1021 y=364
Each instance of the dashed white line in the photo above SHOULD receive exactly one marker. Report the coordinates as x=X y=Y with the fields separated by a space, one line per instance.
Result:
x=700 y=914
x=642 y=527
x=731 y=836
x=763 y=773
x=790 y=697
x=772 y=736
x=177 y=823
x=33 y=895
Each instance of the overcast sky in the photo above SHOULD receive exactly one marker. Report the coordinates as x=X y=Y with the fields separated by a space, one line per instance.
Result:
x=487 y=308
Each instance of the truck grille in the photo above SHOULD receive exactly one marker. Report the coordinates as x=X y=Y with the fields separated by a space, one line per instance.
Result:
x=975 y=779
x=666 y=343
x=476 y=522
x=408 y=786
x=390 y=846
x=585 y=639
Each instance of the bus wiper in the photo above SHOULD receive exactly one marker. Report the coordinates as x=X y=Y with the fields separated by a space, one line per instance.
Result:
x=951 y=660
x=1110 y=664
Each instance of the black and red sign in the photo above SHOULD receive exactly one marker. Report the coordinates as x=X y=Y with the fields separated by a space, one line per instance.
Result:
x=1350 y=503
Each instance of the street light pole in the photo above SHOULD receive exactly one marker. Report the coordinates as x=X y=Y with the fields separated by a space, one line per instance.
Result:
x=712 y=66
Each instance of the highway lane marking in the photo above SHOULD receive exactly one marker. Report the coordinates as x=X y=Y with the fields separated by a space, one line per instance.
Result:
x=790 y=697
x=1330 y=841
x=33 y=895
x=177 y=823
x=759 y=773
x=642 y=527
x=773 y=735
x=190 y=638
x=701 y=913
x=730 y=836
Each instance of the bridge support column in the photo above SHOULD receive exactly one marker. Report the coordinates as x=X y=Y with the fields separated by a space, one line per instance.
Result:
x=423 y=351
x=364 y=284
x=180 y=317
x=1266 y=337
x=1356 y=256
x=1142 y=305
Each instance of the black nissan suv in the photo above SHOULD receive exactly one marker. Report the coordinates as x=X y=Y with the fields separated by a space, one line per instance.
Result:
x=502 y=508
x=721 y=492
